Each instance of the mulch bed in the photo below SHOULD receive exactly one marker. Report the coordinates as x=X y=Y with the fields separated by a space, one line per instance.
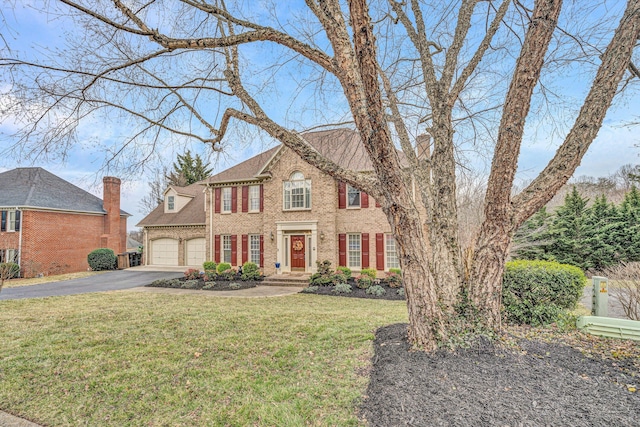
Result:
x=529 y=378
x=214 y=285
x=390 y=293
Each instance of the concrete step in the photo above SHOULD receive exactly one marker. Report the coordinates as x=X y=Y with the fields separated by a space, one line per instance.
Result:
x=286 y=280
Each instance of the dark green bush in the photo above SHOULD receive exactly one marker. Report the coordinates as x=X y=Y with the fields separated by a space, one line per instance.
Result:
x=250 y=271
x=538 y=292
x=9 y=270
x=324 y=276
x=310 y=290
x=102 y=259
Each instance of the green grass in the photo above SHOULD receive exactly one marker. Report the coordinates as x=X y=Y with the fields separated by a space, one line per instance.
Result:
x=124 y=359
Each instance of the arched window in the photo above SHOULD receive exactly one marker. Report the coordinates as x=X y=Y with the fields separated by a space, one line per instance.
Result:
x=297 y=192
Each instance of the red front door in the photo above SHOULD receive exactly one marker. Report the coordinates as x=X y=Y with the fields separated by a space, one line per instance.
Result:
x=297 y=252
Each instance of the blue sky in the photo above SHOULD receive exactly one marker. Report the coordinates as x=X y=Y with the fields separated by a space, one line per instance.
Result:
x=23 y=28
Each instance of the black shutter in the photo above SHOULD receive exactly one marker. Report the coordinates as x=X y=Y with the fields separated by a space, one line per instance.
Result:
x=17 y=220
x=3 y=225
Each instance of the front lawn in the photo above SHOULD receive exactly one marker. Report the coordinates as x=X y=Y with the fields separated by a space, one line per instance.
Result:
x=128 y=359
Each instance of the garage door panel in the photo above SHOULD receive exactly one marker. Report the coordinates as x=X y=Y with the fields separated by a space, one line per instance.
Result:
x=195 y=252
x=164 y=252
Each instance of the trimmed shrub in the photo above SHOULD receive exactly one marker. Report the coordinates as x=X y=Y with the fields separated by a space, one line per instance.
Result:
x=363 y=281
x=537 y=292
x=369 y=272
x=400 y=292
x=102 y=259
x=222 y=267
x=310 y=290
x=339 y=277
x=342 y=288
x=376 y=290
x=346 y=271
x=192 y=274
x=250 y=271
x=209 y=267
x=9 y=270
x=234 y=286
x=396 y=271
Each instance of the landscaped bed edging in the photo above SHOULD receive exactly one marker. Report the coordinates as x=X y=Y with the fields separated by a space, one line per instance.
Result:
x=217 y=284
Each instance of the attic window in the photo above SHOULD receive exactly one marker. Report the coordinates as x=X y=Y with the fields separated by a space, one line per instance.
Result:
x=170 y=203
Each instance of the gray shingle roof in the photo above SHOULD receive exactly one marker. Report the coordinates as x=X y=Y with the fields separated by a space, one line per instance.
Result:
x=191 y=214
x=38 y=188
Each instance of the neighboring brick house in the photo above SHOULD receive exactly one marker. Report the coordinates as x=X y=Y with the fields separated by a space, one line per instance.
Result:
x=49 y=225
x=275 y=208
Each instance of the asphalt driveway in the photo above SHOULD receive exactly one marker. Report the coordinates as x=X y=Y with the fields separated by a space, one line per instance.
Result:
x=111 y=281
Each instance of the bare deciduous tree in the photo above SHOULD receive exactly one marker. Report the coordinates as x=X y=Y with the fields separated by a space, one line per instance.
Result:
x=398 y=66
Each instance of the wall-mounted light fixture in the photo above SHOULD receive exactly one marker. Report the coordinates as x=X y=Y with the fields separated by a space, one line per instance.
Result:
x=322 y=235
x=272 y=236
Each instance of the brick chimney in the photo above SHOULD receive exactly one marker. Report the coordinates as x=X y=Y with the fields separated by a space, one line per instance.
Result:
x=112 y=236
x=423 y=146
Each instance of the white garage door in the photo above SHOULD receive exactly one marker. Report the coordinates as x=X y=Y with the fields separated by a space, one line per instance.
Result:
x=195 y=252
x=164 y=252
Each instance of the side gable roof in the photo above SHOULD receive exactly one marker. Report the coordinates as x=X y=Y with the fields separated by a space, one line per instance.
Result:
x=191 y=214
x=38 y=188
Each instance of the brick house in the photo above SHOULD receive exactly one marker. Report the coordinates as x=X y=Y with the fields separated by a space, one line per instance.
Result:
x=49 y=225
x=275 y=209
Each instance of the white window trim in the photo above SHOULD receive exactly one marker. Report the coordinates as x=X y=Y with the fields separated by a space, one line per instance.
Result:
x=307 y=191
x=11 y=221
x=257 y=198
x=255 y=237
x=359 y=205
x=171 y=203
x=223 y=238
x=226 y=190
x=359 y=266
x=386 y=255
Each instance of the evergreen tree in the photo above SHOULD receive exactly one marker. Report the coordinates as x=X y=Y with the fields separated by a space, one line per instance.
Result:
x=600 y=225
x=188 y=169
x=569 y=232
x=628 y=235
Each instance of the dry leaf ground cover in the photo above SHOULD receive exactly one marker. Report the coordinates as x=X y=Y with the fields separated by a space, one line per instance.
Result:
x=123 y=359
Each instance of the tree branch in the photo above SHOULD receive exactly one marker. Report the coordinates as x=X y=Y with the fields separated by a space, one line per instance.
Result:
x=615 y=62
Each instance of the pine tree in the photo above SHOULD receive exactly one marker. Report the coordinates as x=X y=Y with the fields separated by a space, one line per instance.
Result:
x=629 y=234
x=188 y=170
x=600 y=225
x=569 y=233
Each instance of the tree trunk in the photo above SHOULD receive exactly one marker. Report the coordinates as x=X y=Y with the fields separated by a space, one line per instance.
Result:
x=427 y=325
x=487 y=269
x=446 y=258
